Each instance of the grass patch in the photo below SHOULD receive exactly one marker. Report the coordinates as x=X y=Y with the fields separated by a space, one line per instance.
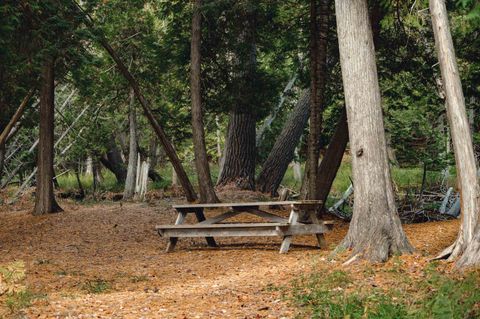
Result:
x=432 y=295
x=19 y=300
x=96 y=286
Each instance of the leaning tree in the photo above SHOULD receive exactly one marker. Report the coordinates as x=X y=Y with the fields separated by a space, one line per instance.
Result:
x=467 y=243
x=375 y=231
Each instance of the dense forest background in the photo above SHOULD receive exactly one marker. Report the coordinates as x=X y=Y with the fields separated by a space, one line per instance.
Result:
x=153 y=39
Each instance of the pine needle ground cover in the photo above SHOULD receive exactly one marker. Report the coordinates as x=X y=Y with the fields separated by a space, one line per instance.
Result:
x=105 y=260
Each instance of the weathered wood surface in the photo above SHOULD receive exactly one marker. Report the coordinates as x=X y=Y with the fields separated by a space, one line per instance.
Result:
x=240 y=230
x=278 y=226
x=249 y=204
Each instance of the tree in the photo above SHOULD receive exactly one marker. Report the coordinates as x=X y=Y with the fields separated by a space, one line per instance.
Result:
x=240 y=147
x=283 y=151
x=375 y=231
x=207 y=193
x=318 y=74
x=328 y=168
x=461 y=138
x=45 y=202
x=132 y=150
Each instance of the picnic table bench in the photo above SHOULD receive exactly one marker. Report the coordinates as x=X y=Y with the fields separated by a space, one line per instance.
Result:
x=276 y=225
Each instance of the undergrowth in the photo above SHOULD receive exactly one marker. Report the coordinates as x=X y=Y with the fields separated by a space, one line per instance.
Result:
x=434 y=295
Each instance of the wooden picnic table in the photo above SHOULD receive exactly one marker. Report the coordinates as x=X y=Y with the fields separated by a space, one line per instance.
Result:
x=276 y=225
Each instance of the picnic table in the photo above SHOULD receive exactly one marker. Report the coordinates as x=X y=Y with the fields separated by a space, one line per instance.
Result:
x=275 y=226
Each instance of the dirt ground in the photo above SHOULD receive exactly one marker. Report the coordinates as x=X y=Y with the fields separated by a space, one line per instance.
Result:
x=115 y=244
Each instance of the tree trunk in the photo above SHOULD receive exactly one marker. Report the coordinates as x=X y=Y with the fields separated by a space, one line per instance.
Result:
x=461 y=137
x=132 y=151
x=6 y=131
x=240 y=148
x=332 y=160
x=375 y=231
x=2 y=160
x=45 y=202
x=205 y=184
x=318 y=59
x=113 y=161
x=283 y=151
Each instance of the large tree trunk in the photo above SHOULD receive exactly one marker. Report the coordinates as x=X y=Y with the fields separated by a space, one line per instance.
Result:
x=375 y=231
x=283 y=150
x=461 y=136
x=132 y=151
x=240 y=149
x=330 y=163
x=207 y=193
x=45 y=202
x=318 y=59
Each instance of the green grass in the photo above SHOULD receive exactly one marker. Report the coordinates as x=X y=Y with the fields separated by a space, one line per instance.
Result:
x=19 y=300
x=96 y=286
x=404 y=178
x=434 y=295
x=68 y=182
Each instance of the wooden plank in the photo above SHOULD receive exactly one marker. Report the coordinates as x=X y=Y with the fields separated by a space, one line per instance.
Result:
x=271 y=217
x=220 y=217
x=322 y=243
x=173 y=241
x=287 y=240
x=201 y=217
x=254 y=204
x=301 y=229
x=220 y=226
x=219 y=232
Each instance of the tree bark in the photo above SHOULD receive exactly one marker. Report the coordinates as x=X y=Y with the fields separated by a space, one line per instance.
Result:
x=461 y=138
x=283 y=151
x=6 y=131
x=375 y=231
x=2 y=160
x=328 y=168
x=132 y=151
x=169 y=150
x=205 y=184
x=45 y=202
x=240 y=148
x=113 y=161
x=318 y=59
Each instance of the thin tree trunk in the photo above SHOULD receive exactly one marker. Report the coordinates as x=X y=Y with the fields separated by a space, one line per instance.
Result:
x=2 y=160
x=283 y=151
x=132 y=151
x=461 y=137
x=318 y=59
x=169 y=150
x=205 y=184
x=332 y=160
x=6 y=131
x=375 y=231
x=45 y=202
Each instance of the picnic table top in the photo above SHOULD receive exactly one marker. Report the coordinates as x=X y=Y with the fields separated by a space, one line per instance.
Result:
x=249 y=204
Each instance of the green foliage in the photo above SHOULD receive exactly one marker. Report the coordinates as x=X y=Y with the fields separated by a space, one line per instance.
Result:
x=334 y=295
x=96 y=286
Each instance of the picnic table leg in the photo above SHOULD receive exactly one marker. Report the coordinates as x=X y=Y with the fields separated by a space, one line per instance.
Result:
x=173 y=240
x=201 y=217
x=322 y=243
x=287 y=240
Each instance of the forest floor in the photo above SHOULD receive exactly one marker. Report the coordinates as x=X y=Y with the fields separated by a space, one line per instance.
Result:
x=104 y=260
